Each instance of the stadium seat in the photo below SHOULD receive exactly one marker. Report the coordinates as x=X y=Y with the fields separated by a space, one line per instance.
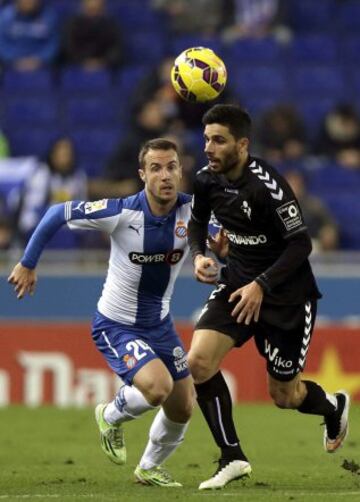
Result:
x=145 y=47
x=310 y=15
x=348 y=15
x=31 y=111
x=313 y=111
x=99 y=142
x=314 y=48
x=259 y=81
x=322 y=81
x=182 y=42
x=23 y=81
x=350 y=49
x=254 y=51
x=32 y=141
x=77 y=79
x=91 y=111
x=135 y=15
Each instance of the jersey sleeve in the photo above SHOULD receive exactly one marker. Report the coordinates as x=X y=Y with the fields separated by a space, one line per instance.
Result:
x=284 y=208
x=100 y=215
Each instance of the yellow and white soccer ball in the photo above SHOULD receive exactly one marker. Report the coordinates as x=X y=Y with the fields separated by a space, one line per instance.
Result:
x=198 y=75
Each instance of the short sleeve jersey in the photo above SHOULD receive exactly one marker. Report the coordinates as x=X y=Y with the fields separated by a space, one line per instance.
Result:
x=259 y=213
x=147 y=253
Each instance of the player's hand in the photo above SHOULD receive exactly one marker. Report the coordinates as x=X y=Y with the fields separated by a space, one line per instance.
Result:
x=206 y=269
x=219 y=244
x=249 y=302
x=24 y=280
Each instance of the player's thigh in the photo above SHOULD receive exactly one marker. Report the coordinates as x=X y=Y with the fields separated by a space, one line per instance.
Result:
x=180 y=403
x=208 y=348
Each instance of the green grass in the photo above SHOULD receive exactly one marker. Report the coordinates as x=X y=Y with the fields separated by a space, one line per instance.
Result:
x=51 y=454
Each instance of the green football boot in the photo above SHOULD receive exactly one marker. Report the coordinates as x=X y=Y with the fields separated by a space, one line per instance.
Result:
x=111 y=437
x=157 y=476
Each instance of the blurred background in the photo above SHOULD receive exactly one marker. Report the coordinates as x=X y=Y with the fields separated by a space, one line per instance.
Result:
x=84 y=82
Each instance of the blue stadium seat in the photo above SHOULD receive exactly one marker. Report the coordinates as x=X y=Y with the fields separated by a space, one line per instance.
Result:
x=313 y=111
x=182 y=42
x=31 y=111
x=96 y=141
x=314 y=48
x=348 y=15
x=322 y=81
x=310 y=15
x=135 y=15
x=77 y=79
x=32 y=141
x=145 y=47
x=128 y=77
x=21 y=81
x=259 y=81
x=350 y=49
x=254 y=50
x=91 y=111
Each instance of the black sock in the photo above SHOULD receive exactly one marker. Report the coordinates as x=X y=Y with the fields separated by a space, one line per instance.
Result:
x=215 y=403
x=316 y=402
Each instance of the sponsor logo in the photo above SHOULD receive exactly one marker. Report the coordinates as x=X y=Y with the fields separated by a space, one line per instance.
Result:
x=232 y=190
x=180 y=359
x=246 y=208
x=97 y=205
x=246 y=240
x=171 y=258
x=181 y=230
x=130 y=361
x=276 y=359
x=290 y=215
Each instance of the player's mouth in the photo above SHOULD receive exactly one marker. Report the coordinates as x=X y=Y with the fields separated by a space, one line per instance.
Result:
x=214 y=163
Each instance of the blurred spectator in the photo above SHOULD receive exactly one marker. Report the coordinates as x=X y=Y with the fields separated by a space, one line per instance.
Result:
x=254 y=18
x=6 y=233
x=340 y=137
x=4 y=146
x=28 y=34
x=56 y=180
x=321 y=224
x=92 y=38
x=202 y=17
x=282 y=135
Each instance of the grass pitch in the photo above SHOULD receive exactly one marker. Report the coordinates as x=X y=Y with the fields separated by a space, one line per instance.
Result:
x=50 y=454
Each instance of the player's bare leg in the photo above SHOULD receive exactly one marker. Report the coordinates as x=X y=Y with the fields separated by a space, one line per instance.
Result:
x=308 y=397
x=208 y=349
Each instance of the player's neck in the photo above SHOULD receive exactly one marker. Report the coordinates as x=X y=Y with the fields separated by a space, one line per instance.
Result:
x=158 y=208
x=236 y=172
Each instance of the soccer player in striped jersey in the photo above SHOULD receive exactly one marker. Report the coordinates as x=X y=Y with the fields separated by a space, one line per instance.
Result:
x=266 y=290
x=132 y=326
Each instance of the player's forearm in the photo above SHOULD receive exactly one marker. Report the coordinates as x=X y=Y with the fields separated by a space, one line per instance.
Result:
x=197 y=235
x=52 y=220
x=298 y=249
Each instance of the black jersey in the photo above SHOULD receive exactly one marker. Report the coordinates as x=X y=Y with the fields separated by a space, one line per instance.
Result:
x=262 y=219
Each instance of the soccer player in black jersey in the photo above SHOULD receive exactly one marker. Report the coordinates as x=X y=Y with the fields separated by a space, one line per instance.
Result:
x=266 y=290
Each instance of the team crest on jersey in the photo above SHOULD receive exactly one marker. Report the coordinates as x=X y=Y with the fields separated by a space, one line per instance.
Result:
x=97 y=205
x=130 y=361
x=181 y=229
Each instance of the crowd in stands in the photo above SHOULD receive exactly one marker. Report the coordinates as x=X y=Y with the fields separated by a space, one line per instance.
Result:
x=85 y=82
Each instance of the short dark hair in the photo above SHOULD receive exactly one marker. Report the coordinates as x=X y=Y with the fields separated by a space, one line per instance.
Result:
x=156 y=144
x=232 y=116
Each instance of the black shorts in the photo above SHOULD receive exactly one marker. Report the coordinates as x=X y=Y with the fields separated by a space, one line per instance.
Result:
x=282 y=334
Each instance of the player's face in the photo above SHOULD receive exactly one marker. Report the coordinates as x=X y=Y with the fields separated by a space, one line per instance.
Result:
x=223 y=151
x=161 y=175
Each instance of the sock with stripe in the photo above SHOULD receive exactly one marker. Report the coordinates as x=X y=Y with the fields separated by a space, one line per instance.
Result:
x=215 y=403
x=128 y=404
x=317 y=401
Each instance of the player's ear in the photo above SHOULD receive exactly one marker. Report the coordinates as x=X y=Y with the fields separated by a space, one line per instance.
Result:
x=142 y=174
x=243 y=144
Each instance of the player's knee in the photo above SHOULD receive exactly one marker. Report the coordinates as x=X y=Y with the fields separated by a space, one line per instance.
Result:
x=158 y=392
x=200 y=368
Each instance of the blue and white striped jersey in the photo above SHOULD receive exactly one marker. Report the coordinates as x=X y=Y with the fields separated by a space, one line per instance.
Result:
x=147 y=253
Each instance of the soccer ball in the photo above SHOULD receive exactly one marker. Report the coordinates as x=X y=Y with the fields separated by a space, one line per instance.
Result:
x=198 y=75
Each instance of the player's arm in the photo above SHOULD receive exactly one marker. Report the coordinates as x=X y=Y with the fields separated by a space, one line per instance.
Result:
x=205 y=268
x=23 y=275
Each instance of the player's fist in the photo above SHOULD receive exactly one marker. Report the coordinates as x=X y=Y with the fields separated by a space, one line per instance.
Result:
x=24 y=280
